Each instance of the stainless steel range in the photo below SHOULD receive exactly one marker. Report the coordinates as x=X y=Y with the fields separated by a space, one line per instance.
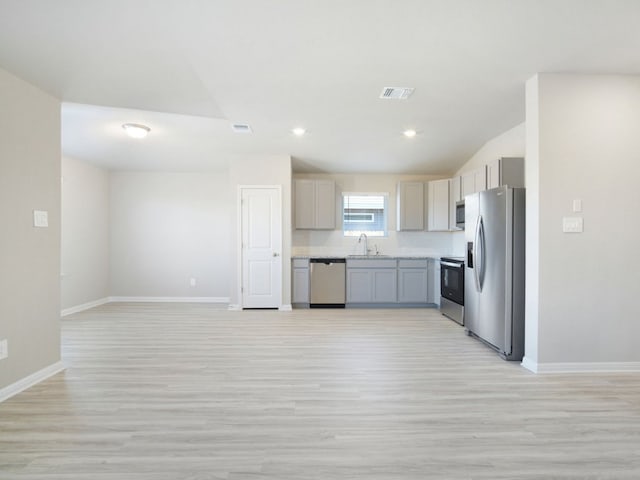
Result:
x=452 y=288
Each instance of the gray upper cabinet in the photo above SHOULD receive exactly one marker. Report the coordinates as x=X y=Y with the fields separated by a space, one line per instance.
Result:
x=474 y=181
x=505 y=171
x=410 y=206
x=315 y=204
x=438 y=204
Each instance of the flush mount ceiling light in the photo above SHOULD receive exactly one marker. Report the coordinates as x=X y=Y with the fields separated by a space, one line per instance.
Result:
x=298 y=131
x=410 y=133
x=136 y=130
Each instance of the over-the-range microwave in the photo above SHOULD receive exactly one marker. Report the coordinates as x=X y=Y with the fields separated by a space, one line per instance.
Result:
x=460 y=214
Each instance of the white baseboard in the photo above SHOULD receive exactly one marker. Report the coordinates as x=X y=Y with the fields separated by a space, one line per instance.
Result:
x=285 y=308
x=171 y=299
x=102 y=301
x=581 y=367
x=30 y=381
x=83 y=307
x=530 y=365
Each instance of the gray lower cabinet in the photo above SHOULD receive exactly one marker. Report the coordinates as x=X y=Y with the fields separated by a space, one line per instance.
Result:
x=300 y=281
x=413 y=281
x=371 y=281
x=388 y=281
x=434 y=281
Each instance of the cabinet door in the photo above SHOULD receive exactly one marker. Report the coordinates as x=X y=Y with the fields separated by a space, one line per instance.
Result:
x=410 y=209
x=300 y=285
x=325 y=204
x=493 y=174
x=467 y=184
x=359 y=285
x=480 y=179
x=304 y=193
x=454 y=197
x=474 y=181
x=434 y=281
x=505 y=171
x=438 y=205
x=385 y=285
x=412 y=285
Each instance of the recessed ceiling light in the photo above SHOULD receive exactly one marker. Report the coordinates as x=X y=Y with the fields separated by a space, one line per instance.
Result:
x=136 y=130
x=299 y=131
x=410 y=133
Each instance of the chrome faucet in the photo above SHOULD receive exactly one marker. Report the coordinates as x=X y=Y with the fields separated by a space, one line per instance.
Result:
x=366 y=246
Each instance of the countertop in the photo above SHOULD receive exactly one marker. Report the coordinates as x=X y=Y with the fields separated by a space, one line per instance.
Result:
x=373 y=257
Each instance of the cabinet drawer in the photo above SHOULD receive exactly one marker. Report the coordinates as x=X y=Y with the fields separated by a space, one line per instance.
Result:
x=412 y=263
x=300 y=263
x=371 y=263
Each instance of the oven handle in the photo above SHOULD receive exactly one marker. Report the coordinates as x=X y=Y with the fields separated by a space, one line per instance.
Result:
x=451 y=264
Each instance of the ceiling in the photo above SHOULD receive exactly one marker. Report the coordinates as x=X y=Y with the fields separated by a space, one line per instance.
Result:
x=191 y=68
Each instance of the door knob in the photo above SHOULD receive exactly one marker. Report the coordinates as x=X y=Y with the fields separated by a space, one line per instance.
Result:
x=276 y=254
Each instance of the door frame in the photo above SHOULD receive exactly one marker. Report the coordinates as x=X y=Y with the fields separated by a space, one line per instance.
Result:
x=239 y=233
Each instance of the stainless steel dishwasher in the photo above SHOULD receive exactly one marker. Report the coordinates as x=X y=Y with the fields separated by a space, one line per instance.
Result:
x=327 y=282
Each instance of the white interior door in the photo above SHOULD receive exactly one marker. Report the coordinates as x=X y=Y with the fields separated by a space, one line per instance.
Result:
x=261 y=247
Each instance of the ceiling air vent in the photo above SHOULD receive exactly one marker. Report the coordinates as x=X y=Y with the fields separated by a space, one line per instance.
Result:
x=396 y=93
x=241 y=128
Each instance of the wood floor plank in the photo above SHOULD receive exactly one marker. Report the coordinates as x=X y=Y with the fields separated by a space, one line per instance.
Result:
x=177 y=391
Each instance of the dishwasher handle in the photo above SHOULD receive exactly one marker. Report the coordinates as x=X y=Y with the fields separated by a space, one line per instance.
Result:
x=327 y=261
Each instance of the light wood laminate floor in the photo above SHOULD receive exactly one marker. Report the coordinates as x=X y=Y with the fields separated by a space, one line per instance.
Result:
x=170 y=391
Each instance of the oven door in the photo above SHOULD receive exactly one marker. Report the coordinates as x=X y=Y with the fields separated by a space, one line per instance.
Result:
x=452 y=281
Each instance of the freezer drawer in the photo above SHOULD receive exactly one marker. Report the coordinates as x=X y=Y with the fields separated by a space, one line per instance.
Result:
x=327 y=282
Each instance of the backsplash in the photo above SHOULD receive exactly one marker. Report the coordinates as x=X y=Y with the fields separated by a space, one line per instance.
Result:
x=333 y=242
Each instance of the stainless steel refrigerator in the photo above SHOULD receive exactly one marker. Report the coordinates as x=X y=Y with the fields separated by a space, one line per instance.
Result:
x=494 y=272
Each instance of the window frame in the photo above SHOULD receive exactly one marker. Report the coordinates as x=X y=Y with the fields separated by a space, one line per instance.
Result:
x=370 y=233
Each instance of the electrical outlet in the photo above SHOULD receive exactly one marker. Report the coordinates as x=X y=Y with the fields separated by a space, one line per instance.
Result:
x=4 y=349
x=40 y=218
x=192 y=282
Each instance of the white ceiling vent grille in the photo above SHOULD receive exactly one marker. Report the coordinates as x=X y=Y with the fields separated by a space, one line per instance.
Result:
x=396 y=93
x=241 y=128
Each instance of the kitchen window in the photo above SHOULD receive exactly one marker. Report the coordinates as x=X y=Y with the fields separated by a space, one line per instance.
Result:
x=364 y=213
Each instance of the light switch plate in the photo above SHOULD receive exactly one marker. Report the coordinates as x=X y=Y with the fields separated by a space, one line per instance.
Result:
x=577 y=205
x=572 y=225
x=40 y=218
x=4 y=349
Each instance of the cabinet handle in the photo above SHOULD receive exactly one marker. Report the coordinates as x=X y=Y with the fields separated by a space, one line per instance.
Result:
x=276 y=254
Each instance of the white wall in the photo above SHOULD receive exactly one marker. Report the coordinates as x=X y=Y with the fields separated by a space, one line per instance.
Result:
x=167 y=228
x=85 y=233
x=588 y=148
x=259 y=170
x=29 y=256
x=333 y=242
x=508 y=144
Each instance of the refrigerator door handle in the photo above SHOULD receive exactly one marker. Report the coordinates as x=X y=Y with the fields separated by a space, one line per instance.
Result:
x=482 y=250
x=476 y=260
